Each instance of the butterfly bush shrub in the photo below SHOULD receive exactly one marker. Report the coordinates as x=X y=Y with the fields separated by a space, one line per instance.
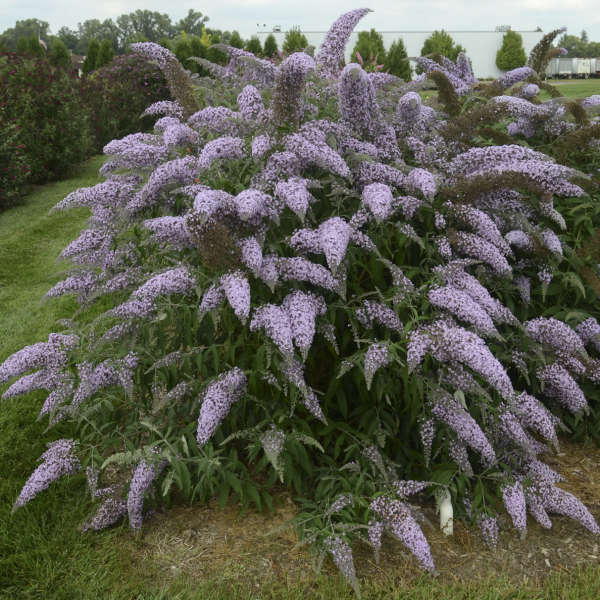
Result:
x=318 y=280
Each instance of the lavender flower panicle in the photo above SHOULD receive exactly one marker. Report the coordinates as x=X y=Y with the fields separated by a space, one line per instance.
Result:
x=218 y=399
x=397 y=517
x=57 y=461
x=377 y=356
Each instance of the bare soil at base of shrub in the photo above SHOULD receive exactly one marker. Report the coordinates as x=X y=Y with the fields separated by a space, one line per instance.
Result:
x=205 y=542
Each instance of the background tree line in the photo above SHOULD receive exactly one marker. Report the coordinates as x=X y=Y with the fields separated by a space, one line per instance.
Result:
x=579 y=47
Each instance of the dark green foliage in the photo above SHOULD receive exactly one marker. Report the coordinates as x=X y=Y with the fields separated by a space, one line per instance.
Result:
x=396 y=61
x=106 y=53
x=22 y=46
x=236 y=40
x=34 y=47
x=165 y=42
x=192 y=23
x=14 y=171
x=43 y=104
x=89 y=64
x=183 y=50
x=24 y=29
x=215 y=54
x=446 y=94
x=68 y=37
x=270 y=46
x=511 y=54
x=118 y=94
x=59 y=55
x=543 y=52
x=253 y=45
x=442 y=43
x=579 y=47
x=294 y=41
x=371 y=49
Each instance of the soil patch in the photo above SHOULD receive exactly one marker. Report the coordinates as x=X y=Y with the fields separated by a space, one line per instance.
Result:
x=203 y=541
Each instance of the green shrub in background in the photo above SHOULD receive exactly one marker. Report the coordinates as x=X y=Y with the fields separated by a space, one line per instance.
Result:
x=59 y=55
x=35 y=48
x=14 y=170
x=106 y=53
x=294 y=41
x=53 y=123
x=270 y=46
x=165 y=42
x=511 y=54
x=116 y=96
x=253 y=45
x=89 y=64
x=22 y=46
x=369 y=46
x=236 y=40
x=396 y=61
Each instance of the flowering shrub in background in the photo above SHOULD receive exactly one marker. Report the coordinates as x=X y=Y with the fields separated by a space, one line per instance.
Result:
x=43 y=104
x=118 y=93
x=319 y=280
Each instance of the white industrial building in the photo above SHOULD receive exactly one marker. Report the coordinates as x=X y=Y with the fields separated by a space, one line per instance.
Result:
x=481 y=46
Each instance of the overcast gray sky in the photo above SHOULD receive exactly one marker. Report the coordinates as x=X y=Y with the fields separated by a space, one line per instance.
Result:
x=317 y=15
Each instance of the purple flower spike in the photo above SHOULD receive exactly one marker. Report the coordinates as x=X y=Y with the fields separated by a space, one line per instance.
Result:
x=371 y=312
x=377 y=356
x=357 y=102
x=250 y=103
x=57 y=461
x=252 y=255
x=555 y=334
x=276 y=323
x=213 y=297
x=334 y=235
x=221 y=148
x=295 y=195
x=143 y=476
x=447 y=410
x=237 y=290
x=377 y=197
x=461 y=305
x=342 y=557
x=219 y=397
x=302 y=309
x=560 y=385
x=514 y=502
x=397 y=517
x=330 y=57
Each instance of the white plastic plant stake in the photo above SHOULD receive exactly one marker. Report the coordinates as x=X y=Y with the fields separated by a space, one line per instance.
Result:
x=446 y=513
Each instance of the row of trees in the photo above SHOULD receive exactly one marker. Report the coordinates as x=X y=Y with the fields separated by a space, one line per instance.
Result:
x=579 y=47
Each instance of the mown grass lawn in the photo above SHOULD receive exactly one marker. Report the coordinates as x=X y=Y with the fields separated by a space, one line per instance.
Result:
x=569 y=88
x=42 y=553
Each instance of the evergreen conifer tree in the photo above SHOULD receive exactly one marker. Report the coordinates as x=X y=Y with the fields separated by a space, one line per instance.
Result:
x=236 y=40
x=397 y=62
x=60 y=55
x=22 y=45
x=183 y=50
x=270 y=46
x=371 y=49
x=34 y=47
x=165 y=42
x=294 y=41
x=106 y=53
x=253 y=45
x=442 y=43
x=89 y=64
x=511 y=54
